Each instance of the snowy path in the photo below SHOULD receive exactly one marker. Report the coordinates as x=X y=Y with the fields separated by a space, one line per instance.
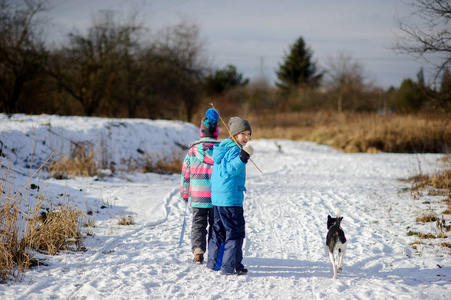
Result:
x=286 y=210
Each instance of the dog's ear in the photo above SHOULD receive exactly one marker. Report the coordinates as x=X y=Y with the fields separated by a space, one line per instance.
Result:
x=329 y=217
x=341 y=219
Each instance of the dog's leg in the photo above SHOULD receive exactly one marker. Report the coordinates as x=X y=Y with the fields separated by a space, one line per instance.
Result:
x=332 y=260
x=341 y=254
x=340 y=260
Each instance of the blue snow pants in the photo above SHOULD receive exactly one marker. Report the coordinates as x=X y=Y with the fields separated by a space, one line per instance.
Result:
x=228 y=228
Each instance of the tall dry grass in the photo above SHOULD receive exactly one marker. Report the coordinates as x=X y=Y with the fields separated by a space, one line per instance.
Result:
x=163 y=165
x=359 y=132
x=24 y=230
x=55 y=230
x=80 y=162
x=14 y=257
x=440 y=180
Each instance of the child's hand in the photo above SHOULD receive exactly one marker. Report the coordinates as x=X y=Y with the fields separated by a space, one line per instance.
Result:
x=246 y=152
x=248 y=148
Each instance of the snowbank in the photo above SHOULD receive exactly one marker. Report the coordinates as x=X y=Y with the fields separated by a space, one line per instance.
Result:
x=30 y=140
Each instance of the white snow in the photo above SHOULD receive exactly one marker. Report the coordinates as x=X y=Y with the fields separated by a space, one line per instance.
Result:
x=286 y=209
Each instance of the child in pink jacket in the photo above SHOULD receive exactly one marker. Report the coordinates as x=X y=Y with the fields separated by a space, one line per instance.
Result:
x=195 y=185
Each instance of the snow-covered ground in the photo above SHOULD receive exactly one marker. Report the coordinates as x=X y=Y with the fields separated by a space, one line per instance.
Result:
x=286 y=209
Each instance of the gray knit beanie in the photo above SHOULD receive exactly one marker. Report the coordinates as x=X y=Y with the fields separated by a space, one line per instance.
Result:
x=237 y=125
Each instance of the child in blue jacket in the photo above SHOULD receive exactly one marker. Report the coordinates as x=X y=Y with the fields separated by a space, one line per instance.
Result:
x=227 y=195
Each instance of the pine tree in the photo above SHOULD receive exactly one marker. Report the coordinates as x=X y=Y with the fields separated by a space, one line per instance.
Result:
x=224 y=79
x=298 y=68
x=410 y=97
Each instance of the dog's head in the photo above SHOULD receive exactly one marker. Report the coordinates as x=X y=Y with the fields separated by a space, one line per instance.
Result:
x=332 y=221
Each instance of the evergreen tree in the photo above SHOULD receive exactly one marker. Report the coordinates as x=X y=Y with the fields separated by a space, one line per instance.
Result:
x=298 y=68
x=224 y=79
x=410 y=97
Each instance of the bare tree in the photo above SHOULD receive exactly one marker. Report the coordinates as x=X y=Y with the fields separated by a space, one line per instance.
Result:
x=430 y=34
x=131 y=83
x=182 y=66
x=22 y=51
x=346 y=80
x=97 y=67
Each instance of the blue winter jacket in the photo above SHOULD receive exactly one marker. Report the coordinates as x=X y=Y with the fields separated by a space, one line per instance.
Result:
x=228 y=176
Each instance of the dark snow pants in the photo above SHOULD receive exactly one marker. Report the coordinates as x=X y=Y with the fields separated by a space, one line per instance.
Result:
x=202 y=218
x=228 y=228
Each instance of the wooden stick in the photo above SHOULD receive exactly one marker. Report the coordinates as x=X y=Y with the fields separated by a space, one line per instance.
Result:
x=233 y=138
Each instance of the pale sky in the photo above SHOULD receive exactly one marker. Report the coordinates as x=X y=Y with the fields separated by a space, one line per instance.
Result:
x=254 y=35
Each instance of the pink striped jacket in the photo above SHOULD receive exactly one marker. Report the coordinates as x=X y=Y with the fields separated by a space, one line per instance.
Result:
x=195 y=184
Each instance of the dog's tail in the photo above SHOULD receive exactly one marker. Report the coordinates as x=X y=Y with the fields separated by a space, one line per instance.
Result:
x=338 y=213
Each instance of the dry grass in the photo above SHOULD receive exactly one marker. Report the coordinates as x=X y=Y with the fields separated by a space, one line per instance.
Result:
x=126 y=220
x=24 y=229
x=426 y=235
x=359 y=132
x=79 y=163
x=427 y=218
x=154 y=163
x=440 y=180
x=436 y=185
x=14 y=257
x=415 y=243
x=165 y=165
x=55 y=230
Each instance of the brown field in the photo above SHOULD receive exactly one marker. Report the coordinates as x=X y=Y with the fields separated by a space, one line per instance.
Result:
x=359 y=132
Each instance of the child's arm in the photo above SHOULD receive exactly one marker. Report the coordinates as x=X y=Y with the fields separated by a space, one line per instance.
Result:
x=234 y=164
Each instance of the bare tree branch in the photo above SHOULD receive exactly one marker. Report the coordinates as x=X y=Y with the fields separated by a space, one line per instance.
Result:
x=432 y=36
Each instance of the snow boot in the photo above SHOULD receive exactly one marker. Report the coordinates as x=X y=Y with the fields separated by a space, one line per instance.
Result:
x=198 y=256
x=226 y=274
x=242 y=272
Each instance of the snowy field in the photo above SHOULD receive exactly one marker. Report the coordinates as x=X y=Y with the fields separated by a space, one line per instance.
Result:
x=286 y=209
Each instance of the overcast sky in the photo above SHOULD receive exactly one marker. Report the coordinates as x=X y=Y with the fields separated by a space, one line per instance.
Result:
x=254 y=35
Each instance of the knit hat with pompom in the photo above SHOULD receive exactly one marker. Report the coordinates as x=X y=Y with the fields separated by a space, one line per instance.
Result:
x=209 y=124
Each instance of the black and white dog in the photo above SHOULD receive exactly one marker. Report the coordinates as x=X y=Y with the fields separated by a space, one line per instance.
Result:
x=335 y=242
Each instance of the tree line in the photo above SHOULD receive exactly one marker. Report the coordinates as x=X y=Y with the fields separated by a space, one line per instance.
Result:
x=118 y=69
